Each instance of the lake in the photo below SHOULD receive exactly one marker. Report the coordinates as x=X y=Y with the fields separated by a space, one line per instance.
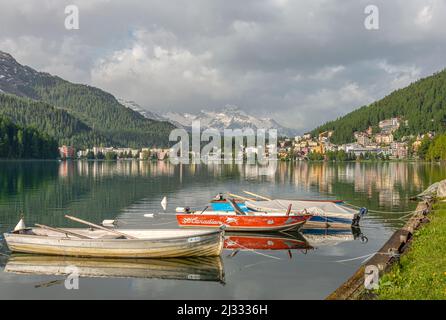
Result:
x=307 y=265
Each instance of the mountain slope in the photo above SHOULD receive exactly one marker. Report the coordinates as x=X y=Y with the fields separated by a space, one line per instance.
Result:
x=422 y=104
x=230 y=117
x=92 y=106
x=49 y=120
x=144 y=112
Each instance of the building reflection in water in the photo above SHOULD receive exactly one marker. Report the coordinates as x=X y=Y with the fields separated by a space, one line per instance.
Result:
x=387 y=183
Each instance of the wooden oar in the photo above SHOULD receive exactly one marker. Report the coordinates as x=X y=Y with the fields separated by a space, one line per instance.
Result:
x=81 y=236
x=99 y=227
x=288 y=211
x=256 y=195
x=238 y=197
x=236 y=208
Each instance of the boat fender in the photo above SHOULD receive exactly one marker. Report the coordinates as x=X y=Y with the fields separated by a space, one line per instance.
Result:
x=20 y=226
x=363 y=211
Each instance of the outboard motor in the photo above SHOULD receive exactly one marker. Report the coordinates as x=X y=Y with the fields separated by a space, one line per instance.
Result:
x=357 y=217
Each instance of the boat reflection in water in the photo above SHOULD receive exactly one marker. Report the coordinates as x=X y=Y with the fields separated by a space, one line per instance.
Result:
x=331 y=237
x=194 y=268
x=280 y=241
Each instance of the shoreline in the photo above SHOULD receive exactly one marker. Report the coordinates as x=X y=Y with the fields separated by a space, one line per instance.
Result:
x=385 y=258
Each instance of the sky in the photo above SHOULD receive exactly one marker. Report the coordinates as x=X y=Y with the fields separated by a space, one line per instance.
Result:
x=301 y=62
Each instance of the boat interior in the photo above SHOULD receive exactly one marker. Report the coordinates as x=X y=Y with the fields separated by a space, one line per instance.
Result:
x=91 y=233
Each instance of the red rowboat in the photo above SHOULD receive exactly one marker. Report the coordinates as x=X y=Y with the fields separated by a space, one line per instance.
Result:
x=258 y=221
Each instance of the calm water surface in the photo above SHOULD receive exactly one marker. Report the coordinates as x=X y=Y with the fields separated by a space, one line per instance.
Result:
x=316 y=264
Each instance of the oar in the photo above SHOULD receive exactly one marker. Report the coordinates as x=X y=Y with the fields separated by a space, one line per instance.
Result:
x=81 y=236
x=238 y=197
x=288 y=211
x=256 y=195
x=99 y=227
x=236 y=208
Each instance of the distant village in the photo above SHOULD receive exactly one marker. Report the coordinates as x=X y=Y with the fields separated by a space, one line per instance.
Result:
x=111 y=153
x=368 y=145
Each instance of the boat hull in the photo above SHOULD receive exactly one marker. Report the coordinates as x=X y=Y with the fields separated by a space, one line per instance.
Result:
x=242 y=222
x=208 y=243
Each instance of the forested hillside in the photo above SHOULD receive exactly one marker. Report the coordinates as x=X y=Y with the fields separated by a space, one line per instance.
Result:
x=49 y=120
x=25 y=143
x=422 y=104
x=92 y=115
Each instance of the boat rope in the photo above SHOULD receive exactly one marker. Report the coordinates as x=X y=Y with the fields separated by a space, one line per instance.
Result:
x=367 y=257
x=357 y=258
x=259 y=253
x=377 y=211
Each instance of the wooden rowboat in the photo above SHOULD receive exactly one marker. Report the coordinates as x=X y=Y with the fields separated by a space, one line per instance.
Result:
x=160 y=243
x=194 y=268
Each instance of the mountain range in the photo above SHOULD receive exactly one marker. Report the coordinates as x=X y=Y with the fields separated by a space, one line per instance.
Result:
x=229 y=117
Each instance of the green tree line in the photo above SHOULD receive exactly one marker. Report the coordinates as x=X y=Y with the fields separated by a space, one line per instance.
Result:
x=25 y=143
x=422 y=104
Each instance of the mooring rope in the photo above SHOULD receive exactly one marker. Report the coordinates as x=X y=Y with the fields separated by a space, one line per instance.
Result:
x=259 y=253
x=377 y=211
x=370 y=255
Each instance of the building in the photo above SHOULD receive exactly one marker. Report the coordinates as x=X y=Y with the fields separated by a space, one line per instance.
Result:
x=389 y=125
x=363 y=139
x=398 y=150
x=384 y=138
x=67 y=152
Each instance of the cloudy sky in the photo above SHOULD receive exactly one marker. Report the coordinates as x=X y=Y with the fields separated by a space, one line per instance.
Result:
x=302 y=62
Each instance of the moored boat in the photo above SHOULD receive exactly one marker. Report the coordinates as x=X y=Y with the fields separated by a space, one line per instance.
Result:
x=326 y=213
x=103 y=242
x=239 y=221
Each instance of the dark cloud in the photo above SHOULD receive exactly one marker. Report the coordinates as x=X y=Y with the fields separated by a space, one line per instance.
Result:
x=301 y=62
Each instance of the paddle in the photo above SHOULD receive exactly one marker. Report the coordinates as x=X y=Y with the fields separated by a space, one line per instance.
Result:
x=99 y=227
x=81 y=236
x=256 y=195
x=238 y=197
x=236 y=208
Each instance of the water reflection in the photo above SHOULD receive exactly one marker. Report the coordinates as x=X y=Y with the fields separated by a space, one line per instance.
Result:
x=43 y=191
x=194 y=269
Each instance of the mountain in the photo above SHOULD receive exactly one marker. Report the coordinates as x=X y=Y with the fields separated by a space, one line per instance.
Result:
x=144 y=112
x=57 y=123
x=230 y=117
x=422 y=106
x=98 y=110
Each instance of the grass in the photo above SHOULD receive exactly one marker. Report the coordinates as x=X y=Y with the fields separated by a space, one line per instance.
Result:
x=421 y=272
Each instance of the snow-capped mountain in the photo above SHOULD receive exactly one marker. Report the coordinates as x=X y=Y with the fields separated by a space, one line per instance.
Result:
x=230 y=117
x=136 y=107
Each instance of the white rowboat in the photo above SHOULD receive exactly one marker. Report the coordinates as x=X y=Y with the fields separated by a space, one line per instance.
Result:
x=157 y=243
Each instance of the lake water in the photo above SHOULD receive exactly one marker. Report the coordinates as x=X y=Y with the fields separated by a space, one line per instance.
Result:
x=315 y=265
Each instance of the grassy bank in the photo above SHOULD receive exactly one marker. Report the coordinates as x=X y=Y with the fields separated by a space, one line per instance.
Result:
x=421 y=273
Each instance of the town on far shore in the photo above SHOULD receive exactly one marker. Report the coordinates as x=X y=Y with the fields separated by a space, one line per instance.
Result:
x=369 y=145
